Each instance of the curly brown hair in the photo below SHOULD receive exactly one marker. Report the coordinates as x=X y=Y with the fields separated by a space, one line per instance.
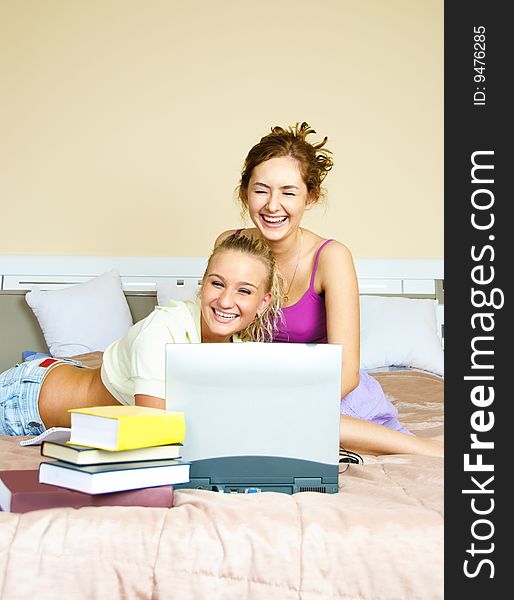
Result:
x=315 y=161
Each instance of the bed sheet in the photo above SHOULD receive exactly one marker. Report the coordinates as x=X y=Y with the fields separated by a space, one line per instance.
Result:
x=380 y=537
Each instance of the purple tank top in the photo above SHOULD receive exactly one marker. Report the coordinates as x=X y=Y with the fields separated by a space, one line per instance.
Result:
x=305 y=321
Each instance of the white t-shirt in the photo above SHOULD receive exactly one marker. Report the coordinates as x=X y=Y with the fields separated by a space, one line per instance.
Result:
x=135 y=364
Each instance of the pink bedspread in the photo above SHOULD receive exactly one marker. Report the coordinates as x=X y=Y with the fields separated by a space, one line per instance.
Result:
x=381 y=537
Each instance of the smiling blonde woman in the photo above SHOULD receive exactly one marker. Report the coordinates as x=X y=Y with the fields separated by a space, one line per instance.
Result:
x=238 y=301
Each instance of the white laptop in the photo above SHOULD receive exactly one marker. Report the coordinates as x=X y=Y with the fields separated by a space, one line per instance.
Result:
x=259 y=417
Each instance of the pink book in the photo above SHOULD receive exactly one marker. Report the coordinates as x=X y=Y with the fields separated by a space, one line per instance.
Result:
x=20 y=492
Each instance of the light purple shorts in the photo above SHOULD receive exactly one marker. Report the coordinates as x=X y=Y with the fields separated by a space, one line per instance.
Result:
x=367 y=401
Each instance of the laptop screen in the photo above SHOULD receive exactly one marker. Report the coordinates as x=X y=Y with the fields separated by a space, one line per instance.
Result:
x=258 y=399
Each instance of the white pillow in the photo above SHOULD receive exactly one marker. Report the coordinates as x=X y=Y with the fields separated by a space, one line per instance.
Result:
x=400 y=331
x=82 y=318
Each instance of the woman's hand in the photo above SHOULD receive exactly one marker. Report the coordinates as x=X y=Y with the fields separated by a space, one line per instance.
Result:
x=150 y=401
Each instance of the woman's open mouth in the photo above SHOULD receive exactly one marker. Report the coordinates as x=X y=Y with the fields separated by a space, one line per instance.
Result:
x=273 y=221
x=223 y=317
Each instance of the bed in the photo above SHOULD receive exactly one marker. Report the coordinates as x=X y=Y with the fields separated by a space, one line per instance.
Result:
x=380 y=537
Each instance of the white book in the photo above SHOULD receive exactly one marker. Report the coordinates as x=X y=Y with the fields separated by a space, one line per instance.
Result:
x=101 y=479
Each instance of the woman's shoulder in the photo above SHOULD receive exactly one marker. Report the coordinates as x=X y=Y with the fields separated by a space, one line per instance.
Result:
x=335 y=257
x=178 y=306
x=336 y=249
x=329 y=249
x=174 y=317
x=174 y=311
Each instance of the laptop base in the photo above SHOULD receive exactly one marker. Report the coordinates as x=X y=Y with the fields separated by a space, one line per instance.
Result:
x=254 y=474
x=299 y=485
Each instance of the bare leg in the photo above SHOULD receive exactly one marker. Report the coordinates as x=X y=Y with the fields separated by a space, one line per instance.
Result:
x=369 y=438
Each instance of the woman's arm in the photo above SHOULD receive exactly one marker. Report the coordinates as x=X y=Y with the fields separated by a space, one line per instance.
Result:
x=150 y=401
x=338 y=281
x=147 y=369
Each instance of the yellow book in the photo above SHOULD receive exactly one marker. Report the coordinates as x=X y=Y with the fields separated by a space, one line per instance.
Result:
x=125 y=427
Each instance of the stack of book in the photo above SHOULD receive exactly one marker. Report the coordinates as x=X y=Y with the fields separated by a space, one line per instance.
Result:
x=116 y=455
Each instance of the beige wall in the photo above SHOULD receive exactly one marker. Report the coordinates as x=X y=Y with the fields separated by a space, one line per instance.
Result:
x=124 y=123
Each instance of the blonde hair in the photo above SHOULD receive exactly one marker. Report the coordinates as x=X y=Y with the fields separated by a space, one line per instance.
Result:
x=315 y=161
x=264 y=325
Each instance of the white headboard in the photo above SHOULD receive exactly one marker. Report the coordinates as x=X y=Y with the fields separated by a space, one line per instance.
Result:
x=141 y=274
x=138 y=273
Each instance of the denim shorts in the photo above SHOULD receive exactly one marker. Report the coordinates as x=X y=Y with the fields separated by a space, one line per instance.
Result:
x=19 y=395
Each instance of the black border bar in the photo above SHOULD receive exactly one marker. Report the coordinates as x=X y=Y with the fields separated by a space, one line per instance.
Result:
x=478 y=265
